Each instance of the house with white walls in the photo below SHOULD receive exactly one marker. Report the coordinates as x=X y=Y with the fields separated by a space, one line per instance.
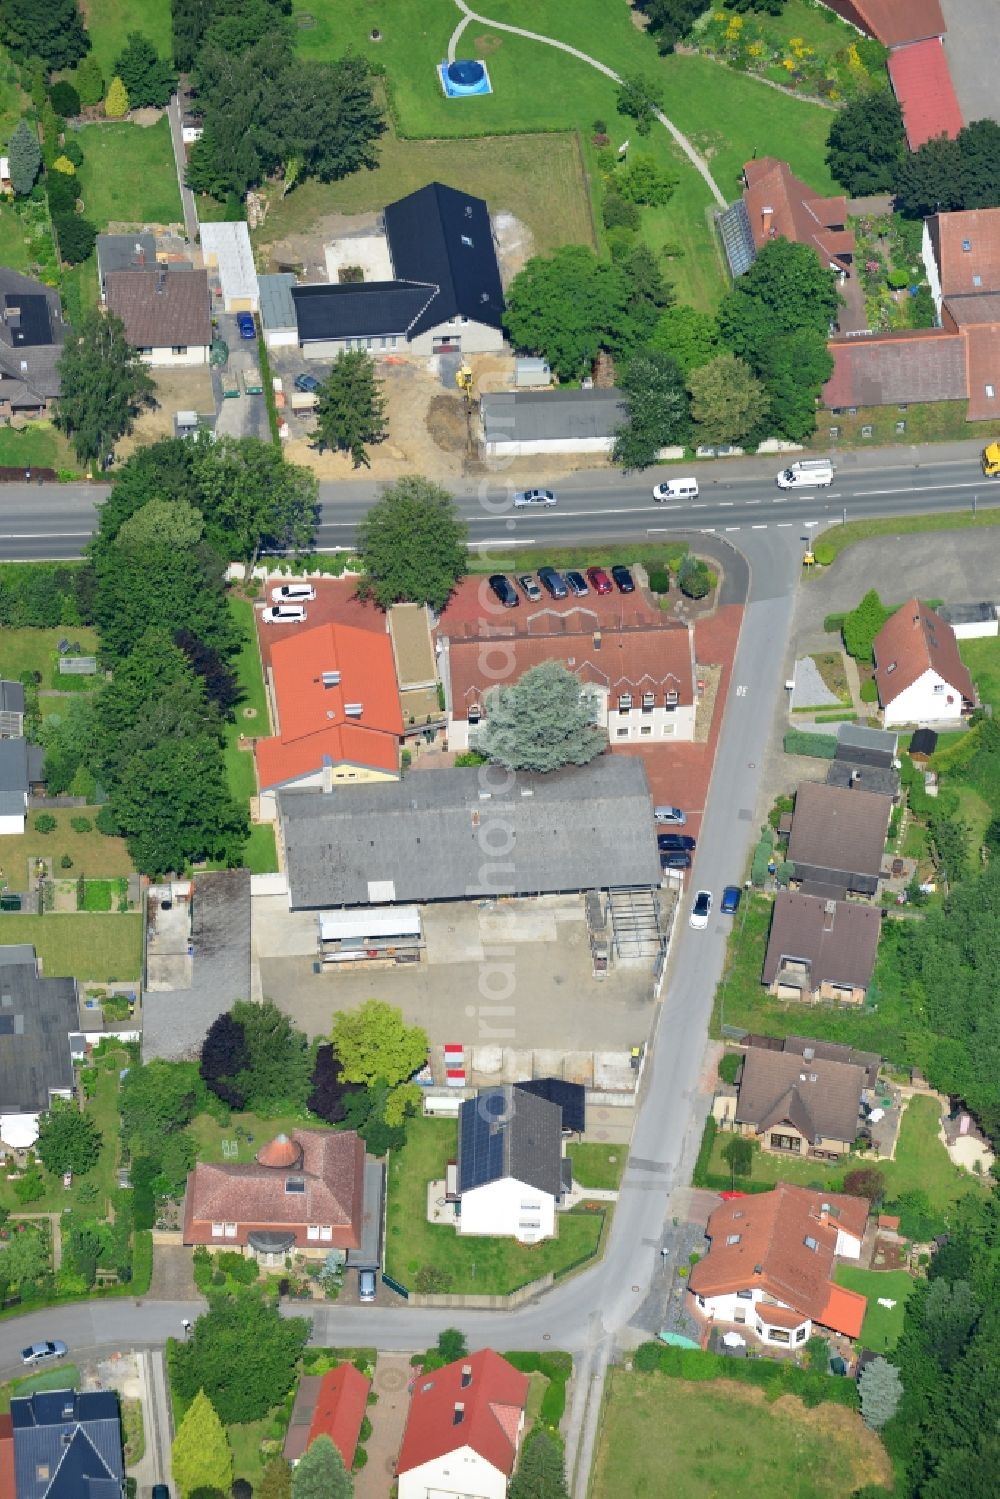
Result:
x=510 y=1171
x=919 y=673
x=769 y=1267
x=463 y=1429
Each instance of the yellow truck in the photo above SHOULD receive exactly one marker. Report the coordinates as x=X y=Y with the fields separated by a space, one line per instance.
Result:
x=991 y=460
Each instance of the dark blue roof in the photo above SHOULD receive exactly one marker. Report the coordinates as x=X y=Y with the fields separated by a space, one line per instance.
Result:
x=506 y=1132
x=480 y=1141
x=571 y=1098
x=372 y=309
x=67 y=1445
x=444 y=237
x=34 y=326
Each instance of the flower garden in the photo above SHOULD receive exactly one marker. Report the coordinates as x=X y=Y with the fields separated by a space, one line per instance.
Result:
x=807 y=50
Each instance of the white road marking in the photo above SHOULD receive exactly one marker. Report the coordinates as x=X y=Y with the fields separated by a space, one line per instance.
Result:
x=783 y=523
x=758 y=528
x=868 y=494
x=502 y=541
x=726 y=504
x=43 y=535
x=732 y=528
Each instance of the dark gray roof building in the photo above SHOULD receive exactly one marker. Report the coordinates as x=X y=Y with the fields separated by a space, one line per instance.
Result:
x=433 y=837
x=862 y=776
x=865 y=746
x=551 y=416
x=124 y=252
x=37 y=1016
x=838 y=837
x=11 y=710
x=571 y=1098
x=14 y=777
x=277 y=309
x=32 y=333
x=821 y=1099
x=507 y=1132
x=378 y=309
x=68 y=1445
x=444 y=238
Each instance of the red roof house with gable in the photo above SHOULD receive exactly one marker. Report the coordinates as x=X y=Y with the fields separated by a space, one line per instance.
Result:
x=331 y=1404
x=335 y=704
x=921 y=81
x=463 y=1429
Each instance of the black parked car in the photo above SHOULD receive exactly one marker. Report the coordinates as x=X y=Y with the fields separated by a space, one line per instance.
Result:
x=577 y=583
x=504 y=590
x=671 y=842
x=623 y=578
x=677 y=859
x=554 y=583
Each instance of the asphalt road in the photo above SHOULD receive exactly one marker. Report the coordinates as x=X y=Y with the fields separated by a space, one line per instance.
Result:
x=737 y=497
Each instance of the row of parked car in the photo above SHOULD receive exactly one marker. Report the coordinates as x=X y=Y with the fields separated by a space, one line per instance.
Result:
x=560 y=585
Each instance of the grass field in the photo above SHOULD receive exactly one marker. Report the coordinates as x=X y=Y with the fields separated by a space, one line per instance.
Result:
x=209 y=1134
x=477 y=1266
x=13 y=246
x=598 y=1165
x=38 y=445
x=831 y=543
x=93 y=854
x=540 y=179
x=883 y=1325
x=110 y=21
x=65 y=1377
x=727 y=115
x=36 y=650
x=103 y=948
x=599 y=554
x=260 y=853
x=703 y=1440
x=128 y=174
x=982 y=657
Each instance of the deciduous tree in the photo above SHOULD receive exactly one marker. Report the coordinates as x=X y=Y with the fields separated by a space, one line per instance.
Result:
x=412 y=545
x=67 y=1139
x=243 y=1354
x=866 y=1181
x=793 y=369
x=862 y=624
x=277 y=1480
x=568 y=306
x=728 y=403
x=544 y=721
x=148 y=80
x=785 y=290
x=640 y=95
x=329 y=1089
x=49 y=29
x=656 y=410
x=738 y=1156
x=320 y=1472
x=690 y=337
x=104 y=386
x=350 y=407
x=866 y=143
x=200 y=1455
x=25 y=155
x=374 y=1043
x=159 y=1098
x=90 y=81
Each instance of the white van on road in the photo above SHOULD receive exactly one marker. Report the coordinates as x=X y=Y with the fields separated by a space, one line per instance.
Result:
x=809 y=473
x=676 y=489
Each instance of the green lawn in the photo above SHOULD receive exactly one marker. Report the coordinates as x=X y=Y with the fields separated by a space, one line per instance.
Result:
x=13 y=246
x=921 y=1162
x=652 y=555
x=829 y=544
x=209 y=1134
x=102 y=948
x=708 y=1439
x=882 y=1326
x=598 y=1166
x=36 y=650
x=38 y=445
x=982 y=657
x=482 y=1266
x=128 y=174
x=252 y=720
x=540 y=179
x=93 y=854
x=245 y=1440
x=103 y=1109
x=65 y=1377
x=79 y=289
x=727 y=115
x=110 y=21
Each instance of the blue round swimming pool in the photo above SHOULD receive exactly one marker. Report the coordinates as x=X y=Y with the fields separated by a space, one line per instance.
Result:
x=466 y=77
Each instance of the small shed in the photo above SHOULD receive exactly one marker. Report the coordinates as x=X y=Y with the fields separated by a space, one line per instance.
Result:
x=971 y=621
x=531 y=372
x=922 y=745
x=277 y=310
x=227 y=250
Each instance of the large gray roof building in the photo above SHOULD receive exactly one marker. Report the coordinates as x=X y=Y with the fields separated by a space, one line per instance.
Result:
x=37 y=1017
x=68 y=1445
x=467 y=834
x=505 y=1132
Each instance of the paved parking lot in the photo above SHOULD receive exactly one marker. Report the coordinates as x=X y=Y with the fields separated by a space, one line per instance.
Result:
x=243 y=415
x=516 y=975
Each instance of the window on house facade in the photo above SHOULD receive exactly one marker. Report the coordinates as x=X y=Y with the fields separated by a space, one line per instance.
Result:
x=779 y=1335
x=740 y=1315
x=800 y=1334
x=325 y=1233
x=179 y=349
x=646 y=729
x=622 y=733
x=624 y=702
x=668 y=730
x=529 y=1223
x=745 y=1295
x=230 y=1230
x=218 y=1230
x=671 y=699
x=648 y=702
x=312 y=1231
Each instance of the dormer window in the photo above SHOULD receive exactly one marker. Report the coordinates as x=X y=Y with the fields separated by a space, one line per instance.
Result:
x=733 y=1238
x=624 y=702
x=671 y=699
x=648 y=702
x=295 y=1184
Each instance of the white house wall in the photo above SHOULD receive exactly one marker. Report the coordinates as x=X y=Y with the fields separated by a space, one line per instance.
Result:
x=930 y=266
x=462 y=1474
x=509 y=1208
x=925 y=701
x=469 y=338
x=724 y=1309
x=847 y=1245
x=281 y=338
x=14 y=824
x=165 y=358
x=976 y=629
x=637 y=727
x=508 y=448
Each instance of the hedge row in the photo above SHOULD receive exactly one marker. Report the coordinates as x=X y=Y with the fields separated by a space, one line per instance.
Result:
x=775 y=1378
x=557 y=1368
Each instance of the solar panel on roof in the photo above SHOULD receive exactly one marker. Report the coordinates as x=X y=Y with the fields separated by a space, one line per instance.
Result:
x=737 y=237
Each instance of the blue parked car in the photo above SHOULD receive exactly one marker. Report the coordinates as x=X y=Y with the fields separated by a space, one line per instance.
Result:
x=245 y=323
x=731 y=900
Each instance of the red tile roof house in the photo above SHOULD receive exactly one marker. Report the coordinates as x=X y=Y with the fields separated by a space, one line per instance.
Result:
x=769 y=1267
x=305 y=1191
x=463 y=1429
x=335 y=707
x=781 y=205
x=921 y=81
x=892 y=22
x=642 y=676
x=331 y=1404
x=919 y=672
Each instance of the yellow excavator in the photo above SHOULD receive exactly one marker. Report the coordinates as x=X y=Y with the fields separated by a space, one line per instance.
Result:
x=991 y=460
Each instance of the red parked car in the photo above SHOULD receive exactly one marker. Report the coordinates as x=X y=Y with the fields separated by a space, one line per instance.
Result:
x=599 y=579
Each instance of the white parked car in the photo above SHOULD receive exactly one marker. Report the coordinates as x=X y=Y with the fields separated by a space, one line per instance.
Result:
x=285 y=592
x=42 y=1353
x=527 y=497
x=283 y=614
x=701 y=909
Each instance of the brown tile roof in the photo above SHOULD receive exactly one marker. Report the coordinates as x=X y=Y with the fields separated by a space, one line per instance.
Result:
x=830 y=1051
x=839 y=944
x=897 y=368
x=983 y=364
x=913 y=641
x=957 y=266
x=771 y=1252
x=894 y=22
x=821 y=1099
x=161 y=309
x=971 y=311
x=779 y=204
x=255 y=1197
x=839 y=829
x=646 y=659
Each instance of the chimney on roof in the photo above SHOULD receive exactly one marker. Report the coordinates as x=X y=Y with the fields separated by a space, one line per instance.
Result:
x=459 y=1415
x=829 y=913
x=855 y=777
x=766 y=215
